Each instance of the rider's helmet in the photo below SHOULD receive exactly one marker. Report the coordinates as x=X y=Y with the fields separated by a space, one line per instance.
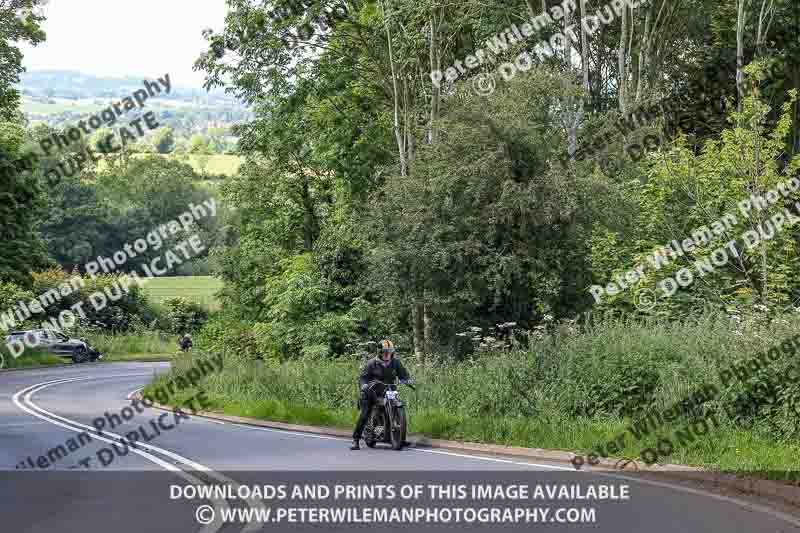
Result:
x=387 y=346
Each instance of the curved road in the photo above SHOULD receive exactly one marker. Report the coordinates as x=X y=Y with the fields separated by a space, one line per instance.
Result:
x=89 y=482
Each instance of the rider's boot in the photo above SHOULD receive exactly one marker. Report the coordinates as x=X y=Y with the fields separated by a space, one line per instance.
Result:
x=356 y=445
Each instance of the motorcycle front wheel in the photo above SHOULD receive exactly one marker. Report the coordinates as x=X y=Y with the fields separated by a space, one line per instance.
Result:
x=398 y=428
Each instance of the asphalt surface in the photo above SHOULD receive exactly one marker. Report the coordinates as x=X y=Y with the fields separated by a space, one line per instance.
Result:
x=58 y=473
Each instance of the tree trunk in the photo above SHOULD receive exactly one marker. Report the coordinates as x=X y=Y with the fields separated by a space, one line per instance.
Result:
x=573 y=112
x=419 y=330
x=643 y=53
x=764 y=22
x=740 y=21
x=309 y=220
x=621 y=56
x=435 y=91
x=399 y=136
x=428 y=325
x=795 y=77
x=585 y=51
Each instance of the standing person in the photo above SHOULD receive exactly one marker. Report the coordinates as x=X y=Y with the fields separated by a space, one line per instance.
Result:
x=386 y=368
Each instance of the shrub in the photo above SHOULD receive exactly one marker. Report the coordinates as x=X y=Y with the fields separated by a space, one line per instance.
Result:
x=224 y=335
x=181 y=315
x=610 y=371
x=11 y=293
x=109 y=302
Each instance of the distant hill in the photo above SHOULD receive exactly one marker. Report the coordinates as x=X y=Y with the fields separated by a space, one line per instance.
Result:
x=61 y=98
x=74 y=85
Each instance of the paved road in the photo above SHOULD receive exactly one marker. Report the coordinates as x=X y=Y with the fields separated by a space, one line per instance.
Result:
x=56 y=472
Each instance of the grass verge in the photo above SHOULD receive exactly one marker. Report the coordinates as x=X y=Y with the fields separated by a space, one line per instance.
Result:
x=29 y=359
x=139 y=346
x=571 y=391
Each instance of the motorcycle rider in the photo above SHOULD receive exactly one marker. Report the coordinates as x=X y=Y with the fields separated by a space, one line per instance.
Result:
x=385 y=367
x=185 y=343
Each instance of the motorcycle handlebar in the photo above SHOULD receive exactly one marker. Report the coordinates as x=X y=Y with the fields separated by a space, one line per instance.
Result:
x=401 y=382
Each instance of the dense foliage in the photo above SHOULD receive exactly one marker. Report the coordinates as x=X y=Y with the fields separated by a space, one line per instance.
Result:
x=375 y=202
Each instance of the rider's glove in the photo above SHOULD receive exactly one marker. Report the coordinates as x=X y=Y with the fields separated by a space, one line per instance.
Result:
x=364 y=386
x=406 y=381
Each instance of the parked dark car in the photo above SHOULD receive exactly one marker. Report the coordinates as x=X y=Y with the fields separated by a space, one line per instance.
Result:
x=79 y=350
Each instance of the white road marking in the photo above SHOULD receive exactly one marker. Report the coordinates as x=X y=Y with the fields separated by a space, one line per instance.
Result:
x=24 y=405
x=129 y=396
x=289 y=432
x=493 y=459
x=40 y=412
x=679 y=488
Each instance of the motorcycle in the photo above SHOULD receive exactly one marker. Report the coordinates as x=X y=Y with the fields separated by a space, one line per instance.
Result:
x=387 y=422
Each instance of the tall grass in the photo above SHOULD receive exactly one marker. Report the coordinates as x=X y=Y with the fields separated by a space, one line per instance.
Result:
x=29 y=358
x=131 y=345
x=570 y=392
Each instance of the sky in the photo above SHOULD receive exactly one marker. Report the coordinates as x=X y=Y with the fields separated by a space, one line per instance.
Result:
x=126 y=37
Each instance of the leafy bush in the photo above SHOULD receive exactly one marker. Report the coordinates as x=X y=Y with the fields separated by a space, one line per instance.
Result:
x=303 y=316
x=222 y=334
x=108 y=302
x=11 y=293
x=182 y=316
x=610 y=371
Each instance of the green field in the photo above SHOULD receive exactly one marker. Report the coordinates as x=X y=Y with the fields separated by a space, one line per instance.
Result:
x=217 y=164
x=30 y=105
x=198 y=289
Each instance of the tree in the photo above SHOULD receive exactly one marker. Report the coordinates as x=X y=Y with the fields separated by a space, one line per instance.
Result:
x=163 y=140
x=374 y=201
x=20 y=21
x=688 y=191
x=199 y=144
x=78 y=226
x=21 y=247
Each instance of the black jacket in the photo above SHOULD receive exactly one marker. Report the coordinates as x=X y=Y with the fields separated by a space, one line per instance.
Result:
x=374 y=370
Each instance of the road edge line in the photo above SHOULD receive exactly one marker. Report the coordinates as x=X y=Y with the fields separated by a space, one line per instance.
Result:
x=787 y=494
